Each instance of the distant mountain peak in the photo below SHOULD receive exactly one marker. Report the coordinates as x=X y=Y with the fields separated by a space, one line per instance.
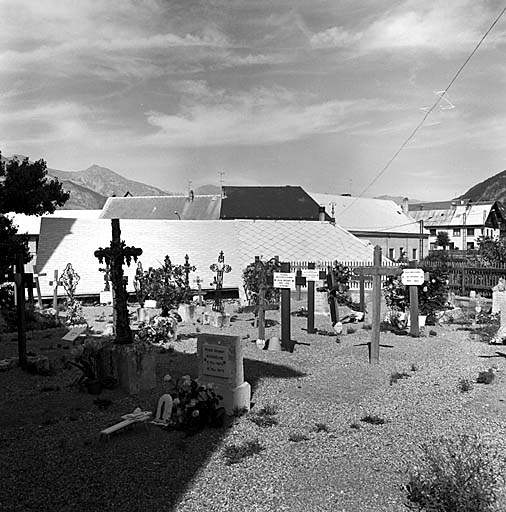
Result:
x=491 y=189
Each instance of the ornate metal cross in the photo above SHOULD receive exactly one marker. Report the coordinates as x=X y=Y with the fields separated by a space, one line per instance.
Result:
x=115 y=256
x=220 y=268
x=70 y=279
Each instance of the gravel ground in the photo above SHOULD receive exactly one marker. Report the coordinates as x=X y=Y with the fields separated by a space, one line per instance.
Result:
x=52 y=459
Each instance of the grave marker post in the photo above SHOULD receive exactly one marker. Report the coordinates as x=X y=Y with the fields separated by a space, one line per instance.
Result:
x=200 y=293
x=55 y=284
x=331 y=285
x=36 y=276
x=310 y=302
x=376 y=271
x=413 y=306
x=21 y=321
x=220 y=268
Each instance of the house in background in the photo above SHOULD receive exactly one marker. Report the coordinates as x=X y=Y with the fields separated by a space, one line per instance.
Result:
x=75 y=240
x=464 y=221
x=380 y=222
x=254 y=203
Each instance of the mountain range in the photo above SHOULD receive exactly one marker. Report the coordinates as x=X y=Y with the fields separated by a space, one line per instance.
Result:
x=90 y=187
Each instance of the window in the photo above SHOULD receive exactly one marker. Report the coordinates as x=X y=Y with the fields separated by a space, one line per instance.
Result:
x=432 y=246
x=391 y=253
x=432 y=232
x=456 y=232
x=470 y=245
x=414 y=254
x=470 y=231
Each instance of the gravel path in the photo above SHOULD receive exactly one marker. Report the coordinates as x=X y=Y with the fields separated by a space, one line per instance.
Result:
x=52 y=460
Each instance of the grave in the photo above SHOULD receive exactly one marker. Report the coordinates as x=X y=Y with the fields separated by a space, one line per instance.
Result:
x=221 y=365
x=132 y=365
x=498 y=295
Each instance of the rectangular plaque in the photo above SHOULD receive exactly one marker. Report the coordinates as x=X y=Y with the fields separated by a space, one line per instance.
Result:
x=284 y=280
x=311 y=274
x=105 y=297
x=215 y=362
x=74 y=333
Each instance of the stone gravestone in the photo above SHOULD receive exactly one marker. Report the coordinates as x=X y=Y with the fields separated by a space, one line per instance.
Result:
x=321 y=301
x=498 y=295
x=221 y=365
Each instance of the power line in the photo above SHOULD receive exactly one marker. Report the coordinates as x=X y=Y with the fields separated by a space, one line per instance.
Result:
x=436 y=103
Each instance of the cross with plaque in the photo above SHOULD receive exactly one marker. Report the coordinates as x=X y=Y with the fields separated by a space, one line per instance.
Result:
x=115 y=256
x=412 y=278
x=376 y=271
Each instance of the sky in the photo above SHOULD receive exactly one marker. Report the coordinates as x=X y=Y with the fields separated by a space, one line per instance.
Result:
x=316 y=93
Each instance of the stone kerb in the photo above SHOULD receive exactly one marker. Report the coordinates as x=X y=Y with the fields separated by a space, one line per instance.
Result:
x=221 y=365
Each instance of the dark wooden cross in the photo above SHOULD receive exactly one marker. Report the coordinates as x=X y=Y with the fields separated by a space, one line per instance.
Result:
x=220 y=268
x=115 y=256
x=376 y=271
x=20 y=308
x=36 y=276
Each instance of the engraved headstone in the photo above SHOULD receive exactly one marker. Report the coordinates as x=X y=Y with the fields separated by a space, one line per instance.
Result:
x=221 y=365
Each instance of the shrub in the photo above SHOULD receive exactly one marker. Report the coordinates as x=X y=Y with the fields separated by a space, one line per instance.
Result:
x=453 y=476
x=237 y=452
x=465 y=385
x=394 y=377
x=259 y=273
x=373 y=420
x=486 y=377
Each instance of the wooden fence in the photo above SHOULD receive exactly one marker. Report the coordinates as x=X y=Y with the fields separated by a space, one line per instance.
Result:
x=463 y=278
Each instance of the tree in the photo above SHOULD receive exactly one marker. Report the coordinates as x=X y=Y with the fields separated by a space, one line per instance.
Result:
x=492 y=250
x=442 y=239
x=24 y=188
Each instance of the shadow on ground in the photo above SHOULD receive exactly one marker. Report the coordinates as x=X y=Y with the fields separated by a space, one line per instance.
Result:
x=53 y=460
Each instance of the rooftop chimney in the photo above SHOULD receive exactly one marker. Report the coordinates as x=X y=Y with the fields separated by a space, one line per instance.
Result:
x=405 y=206
x=321 y=213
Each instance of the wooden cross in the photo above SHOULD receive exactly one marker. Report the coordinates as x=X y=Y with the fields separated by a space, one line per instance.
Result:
x=376 y=271
x=187 y=269
x=36 y=276
x=55 y=283
x=220 y=268
x=115 y=256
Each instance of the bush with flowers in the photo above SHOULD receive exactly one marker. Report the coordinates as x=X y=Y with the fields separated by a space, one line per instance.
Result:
x=159 y=330
x=432 y=295
x=194 y=406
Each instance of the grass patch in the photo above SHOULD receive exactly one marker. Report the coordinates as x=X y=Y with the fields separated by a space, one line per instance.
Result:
x=373 y=420
x=394 y=377
x=486 y=377
x=235 y=453
x=453 y=476
x=321 y=427
x=265 y=417
x=465 y=385
x=297 y=437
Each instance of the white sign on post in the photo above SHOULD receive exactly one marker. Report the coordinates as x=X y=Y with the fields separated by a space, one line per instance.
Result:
x=311 y=274
x=412 y=277
x=284 y=280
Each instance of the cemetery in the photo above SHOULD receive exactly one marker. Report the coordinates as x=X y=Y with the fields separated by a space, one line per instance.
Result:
x=170 y=398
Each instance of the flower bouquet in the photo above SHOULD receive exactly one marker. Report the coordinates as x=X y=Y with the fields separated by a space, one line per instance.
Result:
x=194 y=406
x=159 y=331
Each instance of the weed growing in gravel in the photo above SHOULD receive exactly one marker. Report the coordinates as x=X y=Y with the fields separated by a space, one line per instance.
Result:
x=454 y=475
x=321 y=427
x=414 y=367
x=465 y=385
x=355 y=425
x=373 y=420
x=351 y=330
x=486 y=377
x=264 y=417
x=297 y=437
x=432 y=332
x=237 y=452
x=394 y=377
x=239 y=411
x=367 y=327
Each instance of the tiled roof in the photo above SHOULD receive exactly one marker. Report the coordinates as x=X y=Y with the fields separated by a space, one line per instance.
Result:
x=205 y=207
x=74 y=241
x=362 y=214
x=475 y=215
x=268 y=203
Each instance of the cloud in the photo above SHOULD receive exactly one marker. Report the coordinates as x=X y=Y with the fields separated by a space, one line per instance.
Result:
x=259 y=116
x=437 y=26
